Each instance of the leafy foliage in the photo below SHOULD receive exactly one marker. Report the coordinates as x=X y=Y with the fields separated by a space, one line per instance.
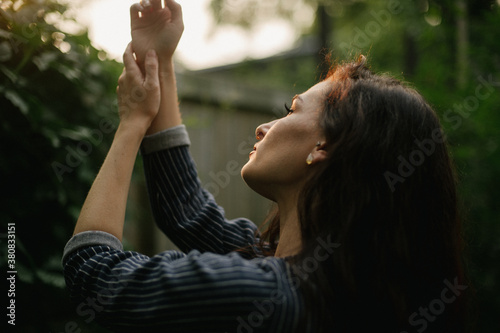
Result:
x=57 y=101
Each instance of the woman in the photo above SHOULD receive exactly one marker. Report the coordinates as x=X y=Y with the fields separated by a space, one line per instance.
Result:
x=366 y=218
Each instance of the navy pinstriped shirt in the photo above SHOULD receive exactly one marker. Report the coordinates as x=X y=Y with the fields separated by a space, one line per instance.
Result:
x=205 y=288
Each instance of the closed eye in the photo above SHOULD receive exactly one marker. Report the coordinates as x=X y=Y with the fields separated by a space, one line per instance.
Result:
x=288 y=110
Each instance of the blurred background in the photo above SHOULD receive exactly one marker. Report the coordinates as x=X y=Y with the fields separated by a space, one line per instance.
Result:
x=238 y=62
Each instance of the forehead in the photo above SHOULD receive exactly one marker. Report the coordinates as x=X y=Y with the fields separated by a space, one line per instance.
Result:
x=317 y=93
x=319 y=90
x=311 y=103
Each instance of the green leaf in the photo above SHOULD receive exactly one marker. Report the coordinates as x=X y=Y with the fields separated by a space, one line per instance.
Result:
x=8 y=73
x=44 y=60
x=5 y=51
x=17 y=101
x=52 y=137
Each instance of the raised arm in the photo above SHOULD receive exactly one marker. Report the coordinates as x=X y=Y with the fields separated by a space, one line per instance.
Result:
x=158 y=28
x=138 y=100
x=182 y=209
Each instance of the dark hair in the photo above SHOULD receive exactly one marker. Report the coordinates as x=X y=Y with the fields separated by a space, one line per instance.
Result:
x=387 y=195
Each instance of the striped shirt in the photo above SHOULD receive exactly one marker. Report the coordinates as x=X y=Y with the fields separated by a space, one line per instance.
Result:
x=208 y=287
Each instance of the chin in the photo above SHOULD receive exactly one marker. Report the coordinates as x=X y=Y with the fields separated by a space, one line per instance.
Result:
x=246 y=174
x=256 y=183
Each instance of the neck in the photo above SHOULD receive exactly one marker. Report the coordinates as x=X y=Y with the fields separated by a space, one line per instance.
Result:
x=290 y=242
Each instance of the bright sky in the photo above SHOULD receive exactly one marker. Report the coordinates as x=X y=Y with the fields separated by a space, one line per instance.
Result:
x=109 y=29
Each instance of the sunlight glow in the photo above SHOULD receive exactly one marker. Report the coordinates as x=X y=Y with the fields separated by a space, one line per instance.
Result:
x=109 y=29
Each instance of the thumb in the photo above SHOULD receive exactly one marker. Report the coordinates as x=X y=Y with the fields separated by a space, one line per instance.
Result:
x=151 y=80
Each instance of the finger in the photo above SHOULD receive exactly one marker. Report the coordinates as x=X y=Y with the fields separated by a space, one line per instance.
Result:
x=135 y=11
x=121 y=81
x=127 y=55
x=156 y=4
x=129 y=61
x=175 y=9
x=122 y=77
x=151 y=65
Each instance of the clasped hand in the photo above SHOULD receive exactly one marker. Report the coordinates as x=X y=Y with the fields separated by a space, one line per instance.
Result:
x=154 y=27
x=156 y=31
x=138 y=94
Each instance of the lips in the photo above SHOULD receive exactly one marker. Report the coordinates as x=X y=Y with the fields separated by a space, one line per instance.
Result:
x=254 y=150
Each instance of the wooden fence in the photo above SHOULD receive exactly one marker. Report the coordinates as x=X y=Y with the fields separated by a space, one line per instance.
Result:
x=221 y=117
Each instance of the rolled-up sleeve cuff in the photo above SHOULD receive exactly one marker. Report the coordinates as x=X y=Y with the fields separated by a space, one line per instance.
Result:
x=89 y=238
x=172 y=137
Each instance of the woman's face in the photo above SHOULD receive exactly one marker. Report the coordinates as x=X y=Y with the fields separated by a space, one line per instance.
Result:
x=277 y=165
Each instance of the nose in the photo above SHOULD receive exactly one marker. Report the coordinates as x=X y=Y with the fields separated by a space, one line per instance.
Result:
x=261 y=130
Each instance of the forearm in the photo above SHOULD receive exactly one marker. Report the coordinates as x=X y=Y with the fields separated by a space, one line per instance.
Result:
x=168 y=115
x=104 y=208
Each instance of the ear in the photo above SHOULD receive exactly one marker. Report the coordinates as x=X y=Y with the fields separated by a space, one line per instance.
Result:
x=319 y=153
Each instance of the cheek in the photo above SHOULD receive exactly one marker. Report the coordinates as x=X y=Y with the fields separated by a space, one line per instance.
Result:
x=283 y=152
x=287 y=132
x=289 y=142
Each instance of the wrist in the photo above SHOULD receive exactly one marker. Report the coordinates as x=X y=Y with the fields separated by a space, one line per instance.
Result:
x=132 y=132
x=166 y=65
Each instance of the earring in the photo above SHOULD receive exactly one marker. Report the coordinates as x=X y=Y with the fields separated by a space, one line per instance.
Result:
x=309 y=159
